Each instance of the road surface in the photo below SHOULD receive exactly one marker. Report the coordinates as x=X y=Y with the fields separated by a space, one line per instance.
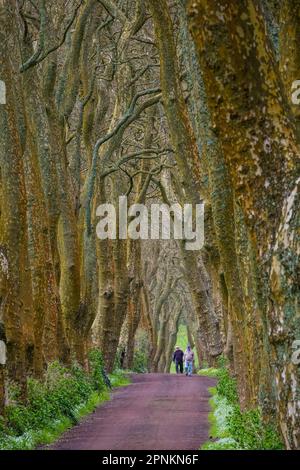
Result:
x=155 y=412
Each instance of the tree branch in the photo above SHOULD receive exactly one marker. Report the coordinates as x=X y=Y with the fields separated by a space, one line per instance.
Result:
x=38 y=56
x=114 y=11
x=140 y=155
x=131 y=114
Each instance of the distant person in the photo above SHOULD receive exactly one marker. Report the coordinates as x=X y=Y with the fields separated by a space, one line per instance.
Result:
x=188 y=361
x=178 y=359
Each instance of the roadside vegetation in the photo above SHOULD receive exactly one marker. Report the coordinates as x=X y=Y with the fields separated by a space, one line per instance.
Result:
x=231 y=428
x=55 y=404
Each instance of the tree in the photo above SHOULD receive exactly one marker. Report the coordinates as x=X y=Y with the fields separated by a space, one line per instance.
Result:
x=252 y=120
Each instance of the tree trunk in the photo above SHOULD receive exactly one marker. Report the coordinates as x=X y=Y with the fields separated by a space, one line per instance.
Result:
x=257 y=136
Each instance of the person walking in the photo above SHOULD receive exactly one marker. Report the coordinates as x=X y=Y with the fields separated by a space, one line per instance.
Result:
x=178 y=359
x=188 y=361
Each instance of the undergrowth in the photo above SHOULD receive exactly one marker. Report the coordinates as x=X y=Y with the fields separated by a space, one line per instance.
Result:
x=140 y=362
x=119 y=378
x=232 y=428
x=56 y=404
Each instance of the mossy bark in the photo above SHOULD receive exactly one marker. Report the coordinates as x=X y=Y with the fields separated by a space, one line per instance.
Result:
x=252 y=121
x=187 y=159
x=13 y=232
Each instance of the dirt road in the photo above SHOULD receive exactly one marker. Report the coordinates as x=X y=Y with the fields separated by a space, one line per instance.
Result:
x=155 y=412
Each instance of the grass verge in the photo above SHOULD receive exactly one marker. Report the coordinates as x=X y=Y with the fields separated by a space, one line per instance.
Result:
x=230 y=428
x=56 y=404
x=120 y=378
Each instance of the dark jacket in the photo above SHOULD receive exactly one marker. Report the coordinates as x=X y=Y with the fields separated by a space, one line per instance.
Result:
x=178 y=355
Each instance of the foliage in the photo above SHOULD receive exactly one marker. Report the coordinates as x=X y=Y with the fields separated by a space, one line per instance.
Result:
x=227 y=386
x=210 y=372
x=230 y=427
x=96 y=369
x=117 y=362
x=250 y=432
x=225 y=443
x=140 y=362
x=119 y=378
x=54 y=405
x=142 y=348
x=218 y=417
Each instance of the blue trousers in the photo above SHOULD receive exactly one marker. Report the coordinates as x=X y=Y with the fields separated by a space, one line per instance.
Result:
x=189 y=368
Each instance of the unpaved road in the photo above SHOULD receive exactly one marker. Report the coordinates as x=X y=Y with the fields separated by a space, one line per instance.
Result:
x=155 y=412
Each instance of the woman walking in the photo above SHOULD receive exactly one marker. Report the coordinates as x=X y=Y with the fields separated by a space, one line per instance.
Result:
x=188 y=361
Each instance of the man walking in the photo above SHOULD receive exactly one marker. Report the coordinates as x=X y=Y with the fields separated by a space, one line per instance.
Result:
x=178 y=359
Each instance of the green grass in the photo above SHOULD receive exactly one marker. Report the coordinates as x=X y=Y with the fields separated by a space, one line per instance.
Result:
x=120 y=378
x=31 y=439
x=230 y=428
x=55 y=404
x=210 y=372
x=225 y=443
x=182 y=342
